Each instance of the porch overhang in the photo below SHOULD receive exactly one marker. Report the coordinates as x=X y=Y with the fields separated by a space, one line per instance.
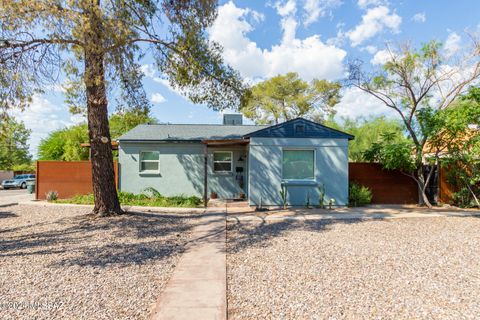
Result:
x=226 y=142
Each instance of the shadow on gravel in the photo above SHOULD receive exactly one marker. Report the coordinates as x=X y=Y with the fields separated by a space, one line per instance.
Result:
x=6 y=214
x=133 y=238
x=245 y=235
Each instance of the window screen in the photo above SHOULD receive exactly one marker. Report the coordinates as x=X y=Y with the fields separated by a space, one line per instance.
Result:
x=298 y=164
x=149 y=161
x=222 y=161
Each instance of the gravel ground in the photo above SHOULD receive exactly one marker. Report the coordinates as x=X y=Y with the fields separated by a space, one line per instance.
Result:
x=416 y=268
x=58 y=263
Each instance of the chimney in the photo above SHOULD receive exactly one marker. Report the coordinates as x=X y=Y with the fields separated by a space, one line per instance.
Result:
x=233 y=119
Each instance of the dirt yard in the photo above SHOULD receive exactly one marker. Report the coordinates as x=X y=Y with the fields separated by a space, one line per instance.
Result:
x=56 y=263
x=413 y=268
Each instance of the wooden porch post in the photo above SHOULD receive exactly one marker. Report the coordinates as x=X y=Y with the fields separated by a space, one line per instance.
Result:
x=205 y=175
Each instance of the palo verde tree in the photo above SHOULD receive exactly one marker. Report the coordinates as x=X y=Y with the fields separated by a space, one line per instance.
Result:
x=286 y=97
x=417 y=84
x=97 y=45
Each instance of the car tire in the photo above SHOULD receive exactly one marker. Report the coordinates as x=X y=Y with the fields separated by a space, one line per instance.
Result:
x=5 y=188
x=23 y=186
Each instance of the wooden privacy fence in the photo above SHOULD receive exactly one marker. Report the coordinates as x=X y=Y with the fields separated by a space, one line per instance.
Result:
x=388 y=186
x=68 y=178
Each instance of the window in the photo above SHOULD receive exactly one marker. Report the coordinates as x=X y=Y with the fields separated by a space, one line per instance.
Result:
x=222 y=161
x=298 y=164
x=149 y=161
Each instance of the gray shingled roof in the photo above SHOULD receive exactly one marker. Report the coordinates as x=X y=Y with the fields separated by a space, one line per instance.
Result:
x=187 y=132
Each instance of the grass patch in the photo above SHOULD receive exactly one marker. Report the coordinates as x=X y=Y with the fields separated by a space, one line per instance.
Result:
x=150 y=199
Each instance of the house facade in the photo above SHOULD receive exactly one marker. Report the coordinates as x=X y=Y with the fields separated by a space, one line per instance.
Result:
x=234 y=160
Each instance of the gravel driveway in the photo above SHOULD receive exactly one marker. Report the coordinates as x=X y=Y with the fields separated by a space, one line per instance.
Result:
x=416 y=268
x=58 y=263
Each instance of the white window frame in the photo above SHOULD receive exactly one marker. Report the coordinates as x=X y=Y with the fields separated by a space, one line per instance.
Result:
x=231 y=162
x=140 y=162
x=314 y=163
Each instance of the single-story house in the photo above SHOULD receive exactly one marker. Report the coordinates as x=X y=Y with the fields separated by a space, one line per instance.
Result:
x=235 y=160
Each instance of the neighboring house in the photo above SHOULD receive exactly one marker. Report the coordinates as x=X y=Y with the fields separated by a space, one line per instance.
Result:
x=239 y=159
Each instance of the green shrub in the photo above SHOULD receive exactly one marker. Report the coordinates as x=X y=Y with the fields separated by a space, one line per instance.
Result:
x=463 y=198
x=51 y=195
x=359 y=195
x=155 y=199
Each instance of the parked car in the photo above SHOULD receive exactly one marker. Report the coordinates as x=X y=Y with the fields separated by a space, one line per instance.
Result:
x=19 y=181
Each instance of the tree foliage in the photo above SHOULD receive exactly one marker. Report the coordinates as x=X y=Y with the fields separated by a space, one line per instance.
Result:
x=392 y=154
x=14 y=151
x=51 y=37
x=286 y=97
x=459 y=147
x=418 y=84
x=367 y=131
x=65 y=144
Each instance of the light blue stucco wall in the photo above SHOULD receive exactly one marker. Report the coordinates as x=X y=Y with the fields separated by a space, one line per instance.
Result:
x=265 y=170
x=181 y=169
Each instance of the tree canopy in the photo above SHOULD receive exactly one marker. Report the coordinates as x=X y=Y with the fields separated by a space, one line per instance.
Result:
x=458 y=147
x=286 y=97
x=65 y=144
x=367 y=131
x=14 y=146
x=418 y=84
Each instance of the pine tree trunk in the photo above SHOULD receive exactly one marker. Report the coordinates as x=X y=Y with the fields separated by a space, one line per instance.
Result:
x=103 y=175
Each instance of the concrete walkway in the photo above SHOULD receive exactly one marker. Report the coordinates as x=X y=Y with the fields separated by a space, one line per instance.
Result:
x=15 y=196
x=368 y=213
x=198 y=286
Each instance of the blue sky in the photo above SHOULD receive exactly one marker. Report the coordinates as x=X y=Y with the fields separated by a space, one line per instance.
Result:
x=312 y=37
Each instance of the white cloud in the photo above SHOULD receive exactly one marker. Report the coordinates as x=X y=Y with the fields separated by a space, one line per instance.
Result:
x=452 y=44
x=420 y=17
x=381 y=57
x=373 y=22
x=286 y=8
x=148 y=70
x=42 y=117
x=157 y=98
x=315 y=9
x=370 y=49
x=310 y=57
x=367 y=3
x=357 y=103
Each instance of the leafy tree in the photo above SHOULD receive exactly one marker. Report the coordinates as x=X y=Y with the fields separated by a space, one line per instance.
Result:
x=98 y=44
x=65 y=144
x=458 y=146
x=286 y=97
x=367 y=132
x=122 y=122
x=13 y=144
x=417 y=84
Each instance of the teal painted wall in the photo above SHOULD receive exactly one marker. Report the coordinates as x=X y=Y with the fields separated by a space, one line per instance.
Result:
x=265 y=171
x=181 y=170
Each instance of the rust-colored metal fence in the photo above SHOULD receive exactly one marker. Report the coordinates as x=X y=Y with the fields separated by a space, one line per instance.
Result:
x=388 y=186
x=68 y=178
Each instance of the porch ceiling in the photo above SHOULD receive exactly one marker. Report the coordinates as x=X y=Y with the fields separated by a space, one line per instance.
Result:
x=226 y=142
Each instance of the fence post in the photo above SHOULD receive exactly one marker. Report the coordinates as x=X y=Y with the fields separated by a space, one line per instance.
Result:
x=37 y=180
